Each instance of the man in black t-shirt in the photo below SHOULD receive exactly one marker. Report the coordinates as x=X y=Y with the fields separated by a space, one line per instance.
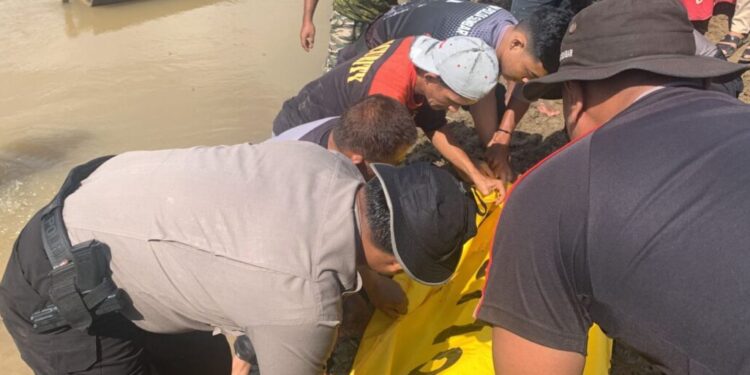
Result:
x=524 y=51
x=639 y=225
x=426 y=75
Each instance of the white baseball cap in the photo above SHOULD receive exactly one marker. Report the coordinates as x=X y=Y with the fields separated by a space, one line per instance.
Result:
x=466 y=64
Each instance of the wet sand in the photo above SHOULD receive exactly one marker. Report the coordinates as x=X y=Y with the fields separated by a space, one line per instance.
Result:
x=80 y=82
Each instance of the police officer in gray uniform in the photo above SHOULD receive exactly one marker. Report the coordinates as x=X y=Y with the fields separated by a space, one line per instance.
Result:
x=141 y=256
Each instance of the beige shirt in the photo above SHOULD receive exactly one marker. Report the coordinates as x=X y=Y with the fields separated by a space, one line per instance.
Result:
x=226 y=237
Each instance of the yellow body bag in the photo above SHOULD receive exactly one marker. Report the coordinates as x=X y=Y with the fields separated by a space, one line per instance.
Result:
x=439 y=335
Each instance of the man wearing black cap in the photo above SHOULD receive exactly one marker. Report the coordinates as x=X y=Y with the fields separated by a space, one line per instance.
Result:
x=639 y=225
x=260 y=240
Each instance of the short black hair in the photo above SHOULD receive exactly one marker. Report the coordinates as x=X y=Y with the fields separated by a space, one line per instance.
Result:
x=545 y=29
x=378 y=215
x=578 y=5
x=377 y=127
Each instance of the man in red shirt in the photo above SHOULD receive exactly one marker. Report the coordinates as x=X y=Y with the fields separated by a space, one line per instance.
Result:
x=426 y=75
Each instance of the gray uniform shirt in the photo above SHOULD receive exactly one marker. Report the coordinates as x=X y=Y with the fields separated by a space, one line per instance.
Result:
x=230 y=237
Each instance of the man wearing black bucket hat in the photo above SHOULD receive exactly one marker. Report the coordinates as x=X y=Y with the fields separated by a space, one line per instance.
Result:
x=261 y=240
x=639 y=225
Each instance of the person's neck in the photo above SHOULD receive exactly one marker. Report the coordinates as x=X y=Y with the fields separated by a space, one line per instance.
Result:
x=503 y=43
x=607 y=109
x=360 y=219
x=331 y=144
x=421 y=82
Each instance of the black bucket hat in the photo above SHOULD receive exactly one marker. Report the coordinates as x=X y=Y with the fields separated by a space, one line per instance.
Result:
x=431 y=218
x=613 y=36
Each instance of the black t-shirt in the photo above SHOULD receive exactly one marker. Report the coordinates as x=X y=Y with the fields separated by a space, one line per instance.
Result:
x=385 y=70
x=317 y=131
x=320 y=134
x=640 y=227
x=441 y=20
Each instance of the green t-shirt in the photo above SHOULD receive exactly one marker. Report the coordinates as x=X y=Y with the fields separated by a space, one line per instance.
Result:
x=363 y=10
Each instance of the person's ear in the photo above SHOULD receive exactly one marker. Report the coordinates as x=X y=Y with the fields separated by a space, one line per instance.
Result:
x=356 y=158
x=573 y=107
x=519 y=42
x=393 y=266
x=432 y=78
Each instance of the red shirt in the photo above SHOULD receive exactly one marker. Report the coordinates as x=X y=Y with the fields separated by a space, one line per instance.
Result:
x=386 y=69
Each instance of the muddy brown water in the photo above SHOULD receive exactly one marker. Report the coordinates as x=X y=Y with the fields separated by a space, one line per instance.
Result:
x=78 y=82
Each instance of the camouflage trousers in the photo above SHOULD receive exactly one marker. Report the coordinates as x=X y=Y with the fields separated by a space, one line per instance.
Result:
x=344 y=31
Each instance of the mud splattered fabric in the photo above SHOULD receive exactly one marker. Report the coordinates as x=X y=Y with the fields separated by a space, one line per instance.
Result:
x=386 y=69
x=344 y=31
x=364 y=11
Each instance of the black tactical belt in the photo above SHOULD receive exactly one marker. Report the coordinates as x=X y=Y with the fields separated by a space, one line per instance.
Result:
x=81 y=285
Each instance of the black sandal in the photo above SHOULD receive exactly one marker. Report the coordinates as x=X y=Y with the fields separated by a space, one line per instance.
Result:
x=729 y=44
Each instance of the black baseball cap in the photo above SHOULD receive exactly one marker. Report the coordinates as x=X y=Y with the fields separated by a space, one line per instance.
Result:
x=612 y=36
x=431 y=218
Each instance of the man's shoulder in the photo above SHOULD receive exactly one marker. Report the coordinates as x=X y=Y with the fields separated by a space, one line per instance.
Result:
x=561 y=174
x=684 y=97
x=663 y=111
x=208 y=161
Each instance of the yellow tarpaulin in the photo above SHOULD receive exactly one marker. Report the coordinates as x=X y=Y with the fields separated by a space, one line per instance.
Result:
x=439 y=334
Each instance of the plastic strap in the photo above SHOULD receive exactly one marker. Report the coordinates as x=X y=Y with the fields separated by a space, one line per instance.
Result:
x=97 y=295
x=64 y=294
x=54 y=235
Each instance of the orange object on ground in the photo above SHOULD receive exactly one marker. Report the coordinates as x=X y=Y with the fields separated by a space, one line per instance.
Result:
x=701 y=10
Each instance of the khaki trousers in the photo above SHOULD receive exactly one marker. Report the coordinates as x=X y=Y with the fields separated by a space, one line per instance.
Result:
x=741 y=19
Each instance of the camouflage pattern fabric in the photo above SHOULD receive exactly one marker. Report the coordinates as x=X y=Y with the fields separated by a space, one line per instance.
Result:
x=344 y=31
x=362 y=10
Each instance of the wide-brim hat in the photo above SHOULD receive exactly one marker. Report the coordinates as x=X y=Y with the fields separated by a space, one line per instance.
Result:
x=431 y=217
x=614 y=36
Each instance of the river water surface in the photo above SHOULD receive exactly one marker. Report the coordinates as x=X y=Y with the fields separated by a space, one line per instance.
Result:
x=79 y=82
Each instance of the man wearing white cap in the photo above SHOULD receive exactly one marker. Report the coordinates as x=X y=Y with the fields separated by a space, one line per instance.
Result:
x=427 y=75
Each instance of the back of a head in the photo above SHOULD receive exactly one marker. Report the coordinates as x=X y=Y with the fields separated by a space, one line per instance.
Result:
x=650 y=36
x=378 y=127
x=545 y=29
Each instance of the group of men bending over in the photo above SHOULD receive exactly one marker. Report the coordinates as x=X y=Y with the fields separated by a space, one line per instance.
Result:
x=637 y=225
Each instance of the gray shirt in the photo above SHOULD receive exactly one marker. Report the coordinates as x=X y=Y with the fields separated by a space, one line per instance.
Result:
x=227 y=237
x=441 y=20
x=703 y=46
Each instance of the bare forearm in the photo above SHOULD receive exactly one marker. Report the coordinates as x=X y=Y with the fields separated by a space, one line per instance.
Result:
x=513 y=114
x=485 y=116
x=515 y=355
x=368 y=277
x=447 y=145
x=309 y=11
